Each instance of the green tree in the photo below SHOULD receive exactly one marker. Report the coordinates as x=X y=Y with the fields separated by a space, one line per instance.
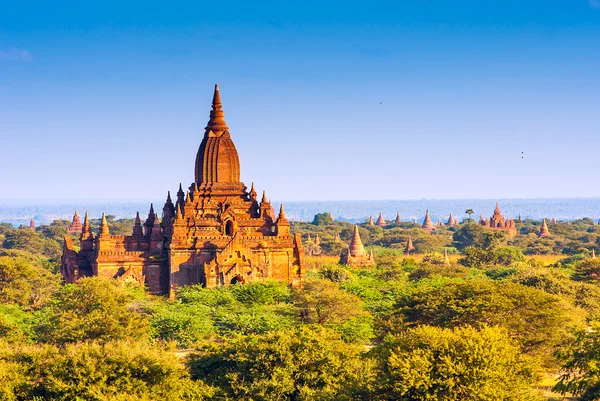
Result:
x=322 y=219
x=581 y=365
x=132 y=370
x=469 y=212
x=92 y=309
x=461 y=364
x=539 y=321
x=321 y=301
x=25 y=282
x=307 y=363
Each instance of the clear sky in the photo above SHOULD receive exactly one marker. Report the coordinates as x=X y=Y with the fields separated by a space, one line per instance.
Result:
x=327 y=100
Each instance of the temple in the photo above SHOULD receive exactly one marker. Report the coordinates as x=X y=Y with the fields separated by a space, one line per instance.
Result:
x=75 y=227
x=216 y=234
x=544 y=232
x=381 y=221
x=356 y=255
x=498 y=222
x=427 y=223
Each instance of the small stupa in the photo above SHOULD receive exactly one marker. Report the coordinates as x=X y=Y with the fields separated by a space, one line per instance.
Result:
x=380 y=221
x=544 y=232
x=427 y=223
x=409 y=247
x=398 y=219
x=371 y=222
x=356 y=255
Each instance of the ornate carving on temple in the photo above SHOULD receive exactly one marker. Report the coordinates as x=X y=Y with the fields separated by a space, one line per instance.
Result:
x=216 y=235
x=380 y=221
x=427 y=223
x=75 y=227
x=356 y=255
x=544 y=232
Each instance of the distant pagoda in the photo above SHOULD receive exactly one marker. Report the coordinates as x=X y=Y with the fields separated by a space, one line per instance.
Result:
x=356 y=255
x=75 y=227
x=427 y=223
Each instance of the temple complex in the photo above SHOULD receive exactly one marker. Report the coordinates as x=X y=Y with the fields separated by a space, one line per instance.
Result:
x=216 y=233
x=356 y=255
x=498 y=222
x=75 y=227
x=427 y=223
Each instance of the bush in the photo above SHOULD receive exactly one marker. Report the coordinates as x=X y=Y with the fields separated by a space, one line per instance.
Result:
x=461 y=364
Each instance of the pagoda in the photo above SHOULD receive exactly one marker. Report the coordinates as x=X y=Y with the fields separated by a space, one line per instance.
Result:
x=75 y=227
x=380 y=221
x=427 y=223
x=356 y=255
x=544 y=232
x=216 y=233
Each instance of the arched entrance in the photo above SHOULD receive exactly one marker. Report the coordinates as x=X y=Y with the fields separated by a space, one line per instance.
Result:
x=237 y=279
x=229 y=228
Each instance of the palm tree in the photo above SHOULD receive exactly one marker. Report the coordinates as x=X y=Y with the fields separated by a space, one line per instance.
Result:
x=469 y=212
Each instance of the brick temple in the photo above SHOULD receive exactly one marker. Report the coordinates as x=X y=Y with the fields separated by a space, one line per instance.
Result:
x=216 y=233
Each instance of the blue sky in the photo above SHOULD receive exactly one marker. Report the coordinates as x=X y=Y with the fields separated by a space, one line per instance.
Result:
x=324 y=100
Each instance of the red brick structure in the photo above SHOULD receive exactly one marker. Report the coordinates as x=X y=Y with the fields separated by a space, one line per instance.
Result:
x=356 y=255
x=498 y=222
x=75 y=227
x=215 y=234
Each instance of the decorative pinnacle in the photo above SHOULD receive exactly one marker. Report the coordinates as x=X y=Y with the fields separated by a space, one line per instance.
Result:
x=178 y=214
x=217 y=117
x=138 y=221
x=104 y=225
x=281 y=213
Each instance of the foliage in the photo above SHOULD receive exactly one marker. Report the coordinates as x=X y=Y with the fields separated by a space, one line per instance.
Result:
x=581 y=364
x=25 y=282
x=92 y=371
x=307 y=363
x=92 y=309
x=460 y=364
x=321 y=219
x=538 y=320
x=321 y=301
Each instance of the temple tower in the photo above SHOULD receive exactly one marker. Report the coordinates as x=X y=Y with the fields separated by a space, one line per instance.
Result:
x=381 y=221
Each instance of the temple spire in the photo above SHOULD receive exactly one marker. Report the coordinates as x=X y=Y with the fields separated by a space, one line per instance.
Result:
x=371 y=223
x=356 y=246
x=104 y=226
x=544 y=232
x=217 y=117
x=137 y=227
x=32 y=224
x=398 y=219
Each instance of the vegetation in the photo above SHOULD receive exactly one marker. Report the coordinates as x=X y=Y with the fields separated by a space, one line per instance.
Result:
x=488 y=323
